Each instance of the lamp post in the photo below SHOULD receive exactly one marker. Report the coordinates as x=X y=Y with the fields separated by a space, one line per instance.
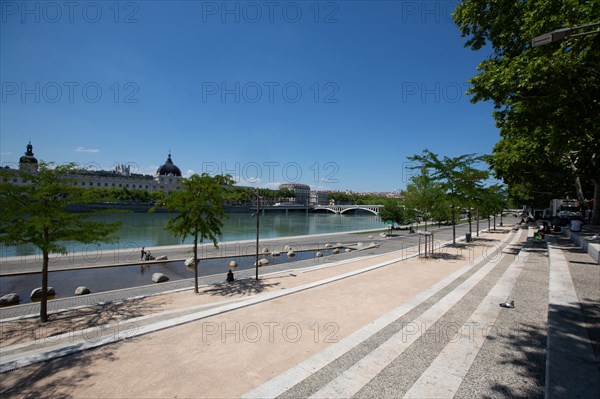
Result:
x=563 y=34
x=257 y=214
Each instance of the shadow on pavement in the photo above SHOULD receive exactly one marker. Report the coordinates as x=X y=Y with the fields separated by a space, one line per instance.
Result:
x=52 y=379
x=240 y=287
x=76 y=320
x=525 y=353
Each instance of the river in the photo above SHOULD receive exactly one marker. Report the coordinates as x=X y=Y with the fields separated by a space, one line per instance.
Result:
x=148 y=229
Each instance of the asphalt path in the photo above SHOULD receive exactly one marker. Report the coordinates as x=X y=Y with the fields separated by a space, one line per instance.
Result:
x=97 y=257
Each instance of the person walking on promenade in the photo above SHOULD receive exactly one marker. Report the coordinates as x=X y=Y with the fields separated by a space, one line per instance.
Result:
x=143 y=253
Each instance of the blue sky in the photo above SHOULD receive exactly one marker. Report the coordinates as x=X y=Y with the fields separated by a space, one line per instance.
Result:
x=332 y=94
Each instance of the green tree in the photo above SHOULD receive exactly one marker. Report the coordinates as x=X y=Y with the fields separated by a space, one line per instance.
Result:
x=471 y=187
x=393 y=210
x=442 y=212
x=199 y=205
x=423 y=194
x=341 y=198
x=545 y=98
x=457 y=177
x=36 y=213
x=491 y=201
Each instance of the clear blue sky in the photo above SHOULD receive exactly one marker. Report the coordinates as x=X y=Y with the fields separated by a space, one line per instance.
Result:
x=331 y=94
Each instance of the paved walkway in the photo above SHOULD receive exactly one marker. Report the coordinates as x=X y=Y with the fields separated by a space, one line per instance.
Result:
x=380 y=325
x=98 y=257
x=401 y=241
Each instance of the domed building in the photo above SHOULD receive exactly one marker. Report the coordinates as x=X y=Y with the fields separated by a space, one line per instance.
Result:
x=168 y=175
x=168 y=169
x=28 y=162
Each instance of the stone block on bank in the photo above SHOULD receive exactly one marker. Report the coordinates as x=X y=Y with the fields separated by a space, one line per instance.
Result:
x=36 y=294
x=262 y=262
x=10 y=299
x=159 y=278
x=82 y=291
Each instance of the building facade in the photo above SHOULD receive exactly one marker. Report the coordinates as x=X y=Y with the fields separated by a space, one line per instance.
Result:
x=167 y=177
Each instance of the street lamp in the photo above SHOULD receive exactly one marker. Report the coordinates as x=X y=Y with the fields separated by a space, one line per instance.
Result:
x=257 y=214
x=563 y=34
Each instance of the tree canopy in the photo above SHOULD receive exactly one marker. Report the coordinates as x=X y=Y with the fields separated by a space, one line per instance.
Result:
x=458 y=178
x=36 y=213
x=546 y=99
x=200 y=211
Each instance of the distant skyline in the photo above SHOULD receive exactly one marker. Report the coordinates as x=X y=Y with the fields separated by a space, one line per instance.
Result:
x=335 y=95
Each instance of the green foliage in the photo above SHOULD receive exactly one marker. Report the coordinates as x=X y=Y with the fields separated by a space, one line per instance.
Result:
x=237 y=195
x=394 y=211
x=200 y=211
x=457 y=178
x=545 y=98
x=424 y=195
x=341 y=198
x=36 y=213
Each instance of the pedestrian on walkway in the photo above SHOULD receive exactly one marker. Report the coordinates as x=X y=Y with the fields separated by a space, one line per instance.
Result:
x=143 y=253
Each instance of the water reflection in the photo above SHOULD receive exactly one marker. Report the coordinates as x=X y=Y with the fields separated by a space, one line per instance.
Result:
x=113 y=278
x=148 y=229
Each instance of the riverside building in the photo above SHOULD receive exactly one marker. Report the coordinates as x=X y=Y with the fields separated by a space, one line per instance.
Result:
x=167 y=177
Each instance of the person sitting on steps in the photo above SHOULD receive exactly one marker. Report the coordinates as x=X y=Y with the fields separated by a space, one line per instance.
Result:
x=229 y=277
x=576 y=224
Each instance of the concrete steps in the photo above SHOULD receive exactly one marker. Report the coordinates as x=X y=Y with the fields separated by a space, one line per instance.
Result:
x=454 y=340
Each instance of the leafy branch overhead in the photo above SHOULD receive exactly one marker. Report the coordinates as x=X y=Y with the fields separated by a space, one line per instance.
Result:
x=545 y=98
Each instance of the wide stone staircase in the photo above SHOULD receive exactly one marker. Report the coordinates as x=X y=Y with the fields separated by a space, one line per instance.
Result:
x=455 y=340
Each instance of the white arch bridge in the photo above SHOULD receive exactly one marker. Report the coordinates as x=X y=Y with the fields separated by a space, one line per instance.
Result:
x=374 y=209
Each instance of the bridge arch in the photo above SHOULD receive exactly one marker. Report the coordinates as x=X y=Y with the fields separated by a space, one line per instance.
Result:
x=363 y=208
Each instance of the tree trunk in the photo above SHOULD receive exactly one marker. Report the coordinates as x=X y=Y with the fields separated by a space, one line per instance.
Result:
x=577 y=182
x=470 y=225
x=453 y=226
x=196 y=261
x=596 y=209
x=44 y=299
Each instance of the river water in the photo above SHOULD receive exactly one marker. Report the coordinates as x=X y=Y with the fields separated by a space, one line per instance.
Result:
x=148 y=229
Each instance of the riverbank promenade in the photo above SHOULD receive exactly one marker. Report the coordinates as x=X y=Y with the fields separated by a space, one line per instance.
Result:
x=383 y=325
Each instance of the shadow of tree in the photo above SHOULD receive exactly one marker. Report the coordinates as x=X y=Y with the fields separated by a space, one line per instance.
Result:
x=445 y=256
x=78 y=319
x=530 y=343
x=525 y=352
x=482 y=240
x=240 y=287
x=52 y=379
x=591 y=315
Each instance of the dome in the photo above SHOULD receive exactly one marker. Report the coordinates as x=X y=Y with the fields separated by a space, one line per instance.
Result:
x=168 y=168
x=28 y=157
